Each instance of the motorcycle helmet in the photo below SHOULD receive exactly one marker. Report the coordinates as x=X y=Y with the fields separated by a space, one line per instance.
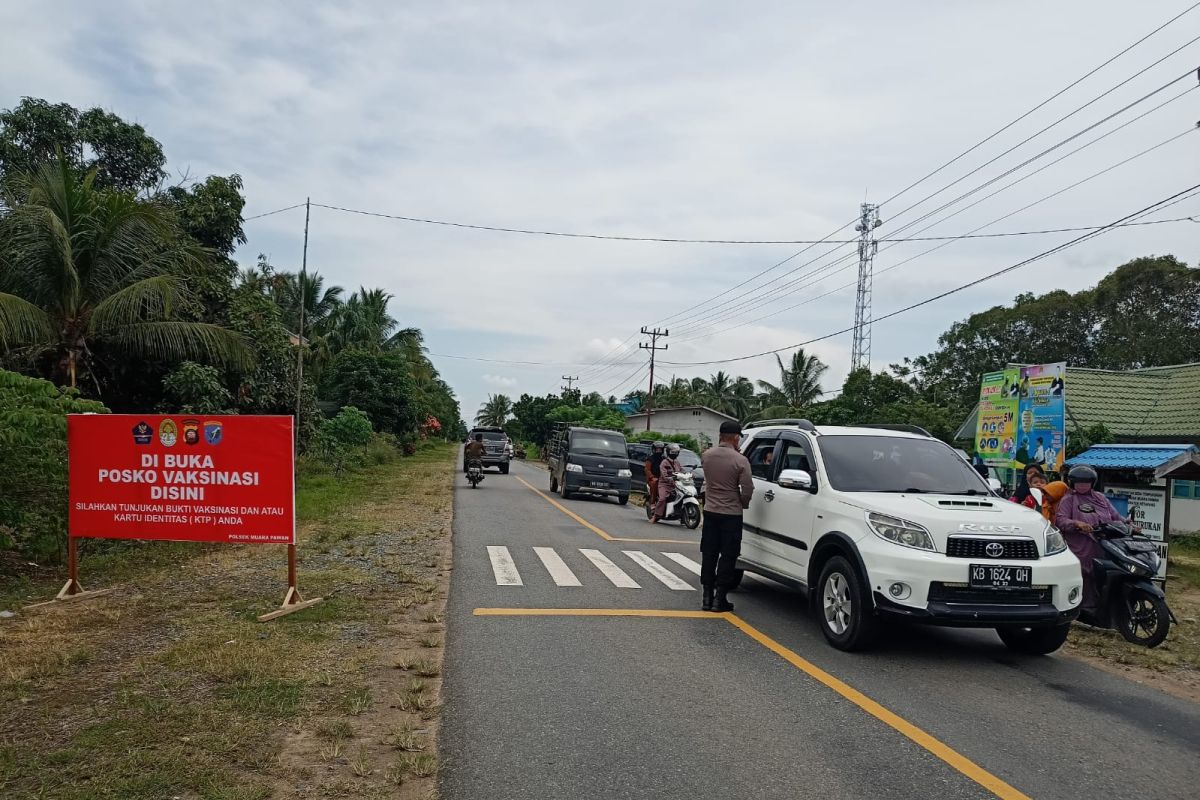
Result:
x=659 y=445
x=673 y=450
x=1082 y=473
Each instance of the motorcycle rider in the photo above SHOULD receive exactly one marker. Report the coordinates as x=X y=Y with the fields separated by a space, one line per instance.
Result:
x=667 y=470
x=1078 y=515
x=650 y=468
x=475 y=450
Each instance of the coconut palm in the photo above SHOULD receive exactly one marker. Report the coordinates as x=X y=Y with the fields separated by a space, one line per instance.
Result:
x=319 y=303
x=363 y=321
x=799 y=382
x=84 y=270
x=495 y=412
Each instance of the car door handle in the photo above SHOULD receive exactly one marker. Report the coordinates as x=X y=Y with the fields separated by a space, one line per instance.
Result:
x=769 y=495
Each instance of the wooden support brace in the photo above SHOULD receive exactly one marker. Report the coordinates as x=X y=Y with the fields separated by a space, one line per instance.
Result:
x=292 y=602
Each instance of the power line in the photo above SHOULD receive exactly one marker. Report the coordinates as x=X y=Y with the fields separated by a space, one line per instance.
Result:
x=276 y=211
x=511 y=362
x=733 y=311
x=969 y=150
x=1040 y=105
x=1059 y=248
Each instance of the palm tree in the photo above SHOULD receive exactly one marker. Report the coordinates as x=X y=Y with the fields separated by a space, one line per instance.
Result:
x=799 y=383
x=495 y=412
x=83 y=270
x=363 y=321
x=319 y=303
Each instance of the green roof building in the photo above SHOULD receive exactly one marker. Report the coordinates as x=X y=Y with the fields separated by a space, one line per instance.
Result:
x=1139 y=406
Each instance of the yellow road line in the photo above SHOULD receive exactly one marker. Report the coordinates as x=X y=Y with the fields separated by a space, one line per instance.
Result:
x=590 y=526
x=935 y=746
x=565 y=510
x=938 y=748
x=595 y=612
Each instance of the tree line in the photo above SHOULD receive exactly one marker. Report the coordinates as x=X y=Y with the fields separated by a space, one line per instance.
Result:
x=1145 y=313
x=121 y=292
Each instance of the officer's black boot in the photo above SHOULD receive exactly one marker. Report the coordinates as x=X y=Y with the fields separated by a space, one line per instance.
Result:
x=707 y=603
x=721 y=603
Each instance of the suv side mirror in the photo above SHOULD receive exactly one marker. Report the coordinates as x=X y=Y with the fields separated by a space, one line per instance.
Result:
x=995 y=485
x=796 y=479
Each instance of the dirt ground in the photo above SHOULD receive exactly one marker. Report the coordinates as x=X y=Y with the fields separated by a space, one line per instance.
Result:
x=170 y=688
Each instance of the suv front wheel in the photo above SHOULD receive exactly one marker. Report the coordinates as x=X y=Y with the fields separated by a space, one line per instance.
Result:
x=844 y=609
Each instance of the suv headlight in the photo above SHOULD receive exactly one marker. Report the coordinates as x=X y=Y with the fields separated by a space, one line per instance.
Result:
x=1055 y=543
x=900 y=531
x=624 y=473
x=574 y=468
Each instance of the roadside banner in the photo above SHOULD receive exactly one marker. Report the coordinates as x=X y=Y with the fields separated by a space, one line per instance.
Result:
x=995 y=432
x=201 y=478
x=1041 y=423
x=1147 y=505
x=1022 y=417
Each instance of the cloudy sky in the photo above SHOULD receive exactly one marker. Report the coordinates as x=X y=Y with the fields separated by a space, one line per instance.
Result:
x=770 y=120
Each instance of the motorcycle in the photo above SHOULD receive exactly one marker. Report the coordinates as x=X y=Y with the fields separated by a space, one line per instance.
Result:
x=683 y=506
x=1128 y=600
x=475 y=473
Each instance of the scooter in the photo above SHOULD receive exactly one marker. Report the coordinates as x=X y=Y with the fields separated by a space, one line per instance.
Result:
x=475 y=474
x=1128 y=600
x=683 y=506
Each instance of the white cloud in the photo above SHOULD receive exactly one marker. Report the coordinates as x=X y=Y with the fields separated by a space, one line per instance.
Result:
x=683 y=119
x=499 y=381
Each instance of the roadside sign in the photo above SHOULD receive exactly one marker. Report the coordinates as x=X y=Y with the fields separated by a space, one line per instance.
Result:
x=192 y=478
x=1148 y=507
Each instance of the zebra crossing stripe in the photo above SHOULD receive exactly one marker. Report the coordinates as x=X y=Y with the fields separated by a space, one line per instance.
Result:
x=504 y=567
x=557 y=568
x=684 y=561
x=615 y=574
x=657 y=570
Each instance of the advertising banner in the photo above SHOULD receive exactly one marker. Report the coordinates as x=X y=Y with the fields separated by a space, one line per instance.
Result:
x=996 y=430
x=1042 y=424
x=201 y=478
x=1022 y=417
x=1148 y=507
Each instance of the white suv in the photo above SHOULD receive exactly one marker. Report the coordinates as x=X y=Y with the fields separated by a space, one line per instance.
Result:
x=879 y=522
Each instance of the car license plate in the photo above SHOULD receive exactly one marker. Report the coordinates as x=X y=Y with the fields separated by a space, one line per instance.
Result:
x=599 y=484
x=998 y=576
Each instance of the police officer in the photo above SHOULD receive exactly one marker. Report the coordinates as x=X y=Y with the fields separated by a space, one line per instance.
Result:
x=727 y=491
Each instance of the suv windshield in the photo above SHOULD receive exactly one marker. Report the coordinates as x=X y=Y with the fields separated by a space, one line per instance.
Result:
x=896 y=464
x=598 y=444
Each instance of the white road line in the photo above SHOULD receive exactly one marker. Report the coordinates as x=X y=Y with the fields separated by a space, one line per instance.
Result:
x=684 y=561
x=504 y=567
x=557 y=568
x=618 y=576
x=657 y=570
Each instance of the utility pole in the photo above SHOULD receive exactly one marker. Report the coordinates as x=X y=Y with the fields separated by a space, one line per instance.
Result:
x=300 y=329
x=654 y=335
x=570 y=379
x=868 y=221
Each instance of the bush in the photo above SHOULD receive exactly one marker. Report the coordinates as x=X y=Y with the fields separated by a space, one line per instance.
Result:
x=33 y=463
x=342 y=441
x=681 y=439
x=196 y=389
x=380 y=385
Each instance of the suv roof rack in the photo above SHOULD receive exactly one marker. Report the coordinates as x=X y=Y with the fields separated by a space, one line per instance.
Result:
x=802 y=424
x=901 y=428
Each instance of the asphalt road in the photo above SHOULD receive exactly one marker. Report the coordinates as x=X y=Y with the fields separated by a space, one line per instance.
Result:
x=753 y=704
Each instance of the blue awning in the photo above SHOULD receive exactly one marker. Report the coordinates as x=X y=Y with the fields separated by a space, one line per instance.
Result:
x=1132 y=456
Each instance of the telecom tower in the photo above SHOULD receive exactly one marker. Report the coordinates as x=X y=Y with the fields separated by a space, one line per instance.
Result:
x=868 y=221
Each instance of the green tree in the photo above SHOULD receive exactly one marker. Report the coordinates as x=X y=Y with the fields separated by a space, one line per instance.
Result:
x=377 y=383
x=589 y=417
x=342 y=441
x=86 y=272
x=122 y=154
x=33 y=463
x=531 y=415
x=193 y=388
x=799 y=382
x=495 y=411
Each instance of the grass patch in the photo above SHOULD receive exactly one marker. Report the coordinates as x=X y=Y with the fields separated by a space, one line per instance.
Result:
x=187 y=695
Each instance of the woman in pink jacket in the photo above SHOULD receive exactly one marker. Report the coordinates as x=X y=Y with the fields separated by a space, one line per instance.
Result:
x=1078 y=515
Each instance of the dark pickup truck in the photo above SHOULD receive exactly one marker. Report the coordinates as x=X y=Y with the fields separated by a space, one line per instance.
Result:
x=589 y=461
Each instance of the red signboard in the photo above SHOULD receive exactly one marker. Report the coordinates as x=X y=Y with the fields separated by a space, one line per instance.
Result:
x=182 y=478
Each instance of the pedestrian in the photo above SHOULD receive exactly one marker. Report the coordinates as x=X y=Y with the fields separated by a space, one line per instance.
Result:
x=728 y=488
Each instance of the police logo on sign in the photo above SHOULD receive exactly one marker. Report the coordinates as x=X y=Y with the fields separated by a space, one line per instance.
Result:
x=191 y=431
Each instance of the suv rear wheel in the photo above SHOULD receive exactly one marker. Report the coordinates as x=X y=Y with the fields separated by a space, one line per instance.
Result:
x=844 y=609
